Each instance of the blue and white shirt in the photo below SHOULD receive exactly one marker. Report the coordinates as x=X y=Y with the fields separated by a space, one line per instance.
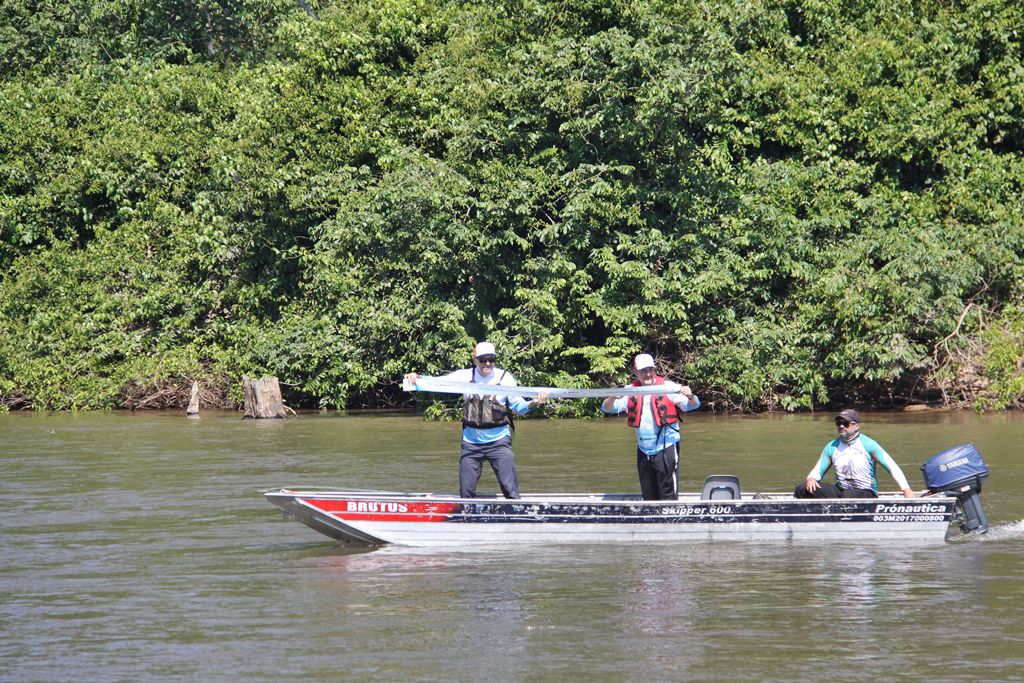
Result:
x=854 y=464
x=650 y=438
x=499 y=377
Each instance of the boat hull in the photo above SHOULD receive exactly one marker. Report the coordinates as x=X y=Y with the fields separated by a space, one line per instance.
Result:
x=415 y=519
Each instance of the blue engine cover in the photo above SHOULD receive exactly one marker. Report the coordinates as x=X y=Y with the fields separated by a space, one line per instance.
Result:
x=954 y=467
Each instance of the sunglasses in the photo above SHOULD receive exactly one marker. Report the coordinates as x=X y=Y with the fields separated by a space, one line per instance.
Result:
x=486 y=360
x=842 y=423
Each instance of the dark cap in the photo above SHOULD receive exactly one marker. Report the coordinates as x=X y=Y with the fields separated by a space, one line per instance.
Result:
x=849 y=415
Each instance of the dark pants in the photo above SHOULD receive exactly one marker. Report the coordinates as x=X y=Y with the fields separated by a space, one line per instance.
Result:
x=659 y=474
x=832 y=491
x=503 y=461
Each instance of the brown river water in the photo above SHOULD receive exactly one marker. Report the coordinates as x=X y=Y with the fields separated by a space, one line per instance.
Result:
x=138 y=547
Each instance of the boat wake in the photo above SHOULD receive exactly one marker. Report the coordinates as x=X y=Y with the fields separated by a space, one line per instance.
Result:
x=1006 y=531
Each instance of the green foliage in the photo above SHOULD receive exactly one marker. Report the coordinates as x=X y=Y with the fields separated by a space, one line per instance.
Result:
x=437 y=411
x=55 y=38
x=791 y=203
x=1004 y=362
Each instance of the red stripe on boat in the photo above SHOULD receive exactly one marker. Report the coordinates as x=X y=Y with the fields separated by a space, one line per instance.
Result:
x=385 y=511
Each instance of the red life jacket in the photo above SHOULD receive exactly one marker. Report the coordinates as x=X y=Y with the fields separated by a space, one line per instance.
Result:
x=665 y=411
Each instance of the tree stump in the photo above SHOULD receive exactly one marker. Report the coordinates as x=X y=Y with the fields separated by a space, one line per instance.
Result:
x=262 y=398
x=193 y=402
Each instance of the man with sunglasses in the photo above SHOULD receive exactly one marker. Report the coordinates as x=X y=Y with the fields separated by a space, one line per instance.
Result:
x=656 y=420
x=855 y=458
x=487 y=423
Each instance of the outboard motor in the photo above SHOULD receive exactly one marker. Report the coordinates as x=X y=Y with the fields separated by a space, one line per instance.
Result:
x=960 y=471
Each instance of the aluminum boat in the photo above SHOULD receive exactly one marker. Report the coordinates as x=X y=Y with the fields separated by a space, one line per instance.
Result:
x=721 y=512
x=425 y=519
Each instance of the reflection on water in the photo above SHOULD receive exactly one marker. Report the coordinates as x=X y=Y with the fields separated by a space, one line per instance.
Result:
x=138 y=547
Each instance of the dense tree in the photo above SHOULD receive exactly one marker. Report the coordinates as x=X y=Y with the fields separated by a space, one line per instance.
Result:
x=792 y=202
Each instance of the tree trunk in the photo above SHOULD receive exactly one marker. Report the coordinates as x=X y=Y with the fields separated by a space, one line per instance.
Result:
x=262 y=398
x=193 y=402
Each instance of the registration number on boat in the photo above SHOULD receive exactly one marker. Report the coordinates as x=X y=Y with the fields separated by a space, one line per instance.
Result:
x=907 y=518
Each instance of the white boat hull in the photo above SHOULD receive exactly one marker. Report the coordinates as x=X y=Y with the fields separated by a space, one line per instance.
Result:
x=420 y=519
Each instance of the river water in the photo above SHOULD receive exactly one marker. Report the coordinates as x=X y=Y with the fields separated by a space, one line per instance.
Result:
x=139 y=547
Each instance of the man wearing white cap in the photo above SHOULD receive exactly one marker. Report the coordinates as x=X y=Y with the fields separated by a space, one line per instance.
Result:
x=487 y=423
x=656 y=420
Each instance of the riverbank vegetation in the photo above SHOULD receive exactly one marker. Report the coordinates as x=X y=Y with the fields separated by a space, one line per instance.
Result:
x=793 y=203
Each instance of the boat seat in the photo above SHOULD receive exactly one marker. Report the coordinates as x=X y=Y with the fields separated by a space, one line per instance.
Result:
x=721 y=487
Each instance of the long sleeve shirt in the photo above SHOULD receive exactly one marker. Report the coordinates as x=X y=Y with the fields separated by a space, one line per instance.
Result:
x=854 y=464
x=497 y=376
x=650 y=438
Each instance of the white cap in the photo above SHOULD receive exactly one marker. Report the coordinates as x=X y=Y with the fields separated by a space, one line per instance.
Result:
x=643 y=361
x=484 y=349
